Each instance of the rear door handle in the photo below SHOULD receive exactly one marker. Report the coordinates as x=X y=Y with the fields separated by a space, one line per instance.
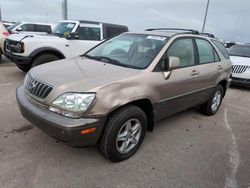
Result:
x=219 y=67
x=194 y=73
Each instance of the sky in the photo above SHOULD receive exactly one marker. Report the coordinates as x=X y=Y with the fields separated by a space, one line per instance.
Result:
x=227 y=19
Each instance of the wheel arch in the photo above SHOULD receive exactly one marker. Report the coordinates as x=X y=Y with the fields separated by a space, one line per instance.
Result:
x=144 y=104
x=46 y=50
x=223 y=83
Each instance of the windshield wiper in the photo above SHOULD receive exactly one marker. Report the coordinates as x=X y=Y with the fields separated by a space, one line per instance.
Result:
x=109 y=60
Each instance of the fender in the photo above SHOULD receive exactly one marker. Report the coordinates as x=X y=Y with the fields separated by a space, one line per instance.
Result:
x=39 y=50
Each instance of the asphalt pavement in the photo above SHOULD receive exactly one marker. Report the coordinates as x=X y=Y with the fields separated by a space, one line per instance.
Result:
x=185 y=150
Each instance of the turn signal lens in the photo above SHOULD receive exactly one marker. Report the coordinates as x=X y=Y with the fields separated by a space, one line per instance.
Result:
x=88 y=131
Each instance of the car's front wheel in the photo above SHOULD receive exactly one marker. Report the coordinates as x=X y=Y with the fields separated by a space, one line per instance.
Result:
x=124 y=133
x=214 y=102
x=45 y=58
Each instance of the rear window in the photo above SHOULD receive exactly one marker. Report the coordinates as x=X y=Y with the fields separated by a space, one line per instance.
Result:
x=221 y=47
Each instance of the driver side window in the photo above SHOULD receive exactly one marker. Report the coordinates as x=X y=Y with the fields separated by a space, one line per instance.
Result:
x=184 y=50
x=181 y=48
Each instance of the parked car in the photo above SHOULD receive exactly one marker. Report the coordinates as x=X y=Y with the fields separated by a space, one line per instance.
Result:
x=240 y=57
x=118 y=90
x=29 y=28
x=3 y=34
x=7 y=24
x=68 y=39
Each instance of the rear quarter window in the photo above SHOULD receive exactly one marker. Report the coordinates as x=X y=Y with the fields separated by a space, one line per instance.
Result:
x=222 y=48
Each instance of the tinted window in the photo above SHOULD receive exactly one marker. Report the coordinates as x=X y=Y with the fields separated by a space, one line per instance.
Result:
x=89 y=33
x=184 y=50
x=13 y=26
x=111 y=31
x=43 y=28
x=206 y=51
x=221 y=47
x=239 y=50
x=28 y=27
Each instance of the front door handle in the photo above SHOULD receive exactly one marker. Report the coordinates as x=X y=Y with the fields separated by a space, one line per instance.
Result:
x=194 y=73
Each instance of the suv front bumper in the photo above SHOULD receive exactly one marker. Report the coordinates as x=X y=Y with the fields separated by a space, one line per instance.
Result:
x=62 y=128
x=240 y=82
x=19 y=60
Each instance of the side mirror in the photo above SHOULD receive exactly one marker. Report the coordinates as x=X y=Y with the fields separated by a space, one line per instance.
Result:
x=73 y=36
x=19 y=29
x=173 y=62
x=170 y=63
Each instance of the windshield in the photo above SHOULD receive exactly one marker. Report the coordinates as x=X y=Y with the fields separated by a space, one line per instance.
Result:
x=13 y=26
x=239 y=50
x=63 y=29
x=129 y=50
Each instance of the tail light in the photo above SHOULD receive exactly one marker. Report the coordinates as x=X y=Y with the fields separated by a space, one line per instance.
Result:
x=6 y=34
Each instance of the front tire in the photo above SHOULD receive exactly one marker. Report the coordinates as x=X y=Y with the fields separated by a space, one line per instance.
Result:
x=45 y=58
x=124 y=133
x=24 y=68
x=214 y=102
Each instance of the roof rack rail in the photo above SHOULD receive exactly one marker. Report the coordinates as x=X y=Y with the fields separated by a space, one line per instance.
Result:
x=208 y=34
x=174 y=29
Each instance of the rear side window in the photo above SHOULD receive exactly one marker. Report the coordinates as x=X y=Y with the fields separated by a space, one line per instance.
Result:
x=43 y=28
x=184 y=50
x=207 y=53
x=28 y=27
x=221 y=47
x=89 y=33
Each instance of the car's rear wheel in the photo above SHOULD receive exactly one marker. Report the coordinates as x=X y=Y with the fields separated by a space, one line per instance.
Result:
x=124 y=133
x=214 y=102
x=45 y=58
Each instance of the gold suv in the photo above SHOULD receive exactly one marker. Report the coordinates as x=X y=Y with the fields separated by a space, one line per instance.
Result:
x=115 y=92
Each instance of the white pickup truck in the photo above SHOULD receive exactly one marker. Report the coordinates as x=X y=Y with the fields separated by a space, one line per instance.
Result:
x=68 y=39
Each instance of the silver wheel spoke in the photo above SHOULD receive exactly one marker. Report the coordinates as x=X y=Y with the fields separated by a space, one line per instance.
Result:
x=124 y=145
x=135 y=128
x=128 y=125
x=122 y=137
x=128 y=135
x=216 y=101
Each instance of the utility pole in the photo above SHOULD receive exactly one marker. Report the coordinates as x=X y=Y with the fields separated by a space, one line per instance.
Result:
x=0 y=13
x=205 y=18
x=65 y=9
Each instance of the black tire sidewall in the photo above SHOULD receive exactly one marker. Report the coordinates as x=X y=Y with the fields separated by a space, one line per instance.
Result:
x=210 y=102
x=42 y=59
x=114 y=127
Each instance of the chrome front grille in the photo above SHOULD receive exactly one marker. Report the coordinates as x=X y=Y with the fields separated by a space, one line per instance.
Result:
x=238 y=69
x=37 y=88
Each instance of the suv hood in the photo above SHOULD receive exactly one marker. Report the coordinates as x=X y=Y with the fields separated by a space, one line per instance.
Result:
x=80 y=74
x=237 y=60
x=20 y=37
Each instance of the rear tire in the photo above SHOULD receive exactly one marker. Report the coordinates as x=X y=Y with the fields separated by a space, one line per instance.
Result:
x=43 y=59
x=124 y=133
x=214 y=102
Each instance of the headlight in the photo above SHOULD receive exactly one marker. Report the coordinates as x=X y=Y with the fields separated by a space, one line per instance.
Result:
x=18 y=48
x=72 y=104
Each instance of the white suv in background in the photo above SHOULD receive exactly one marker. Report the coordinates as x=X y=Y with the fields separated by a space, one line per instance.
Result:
x=68 y=39
x=28 y=27
x=240 y=57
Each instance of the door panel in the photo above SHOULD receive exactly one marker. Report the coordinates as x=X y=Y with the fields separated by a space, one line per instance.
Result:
x=180 y=88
